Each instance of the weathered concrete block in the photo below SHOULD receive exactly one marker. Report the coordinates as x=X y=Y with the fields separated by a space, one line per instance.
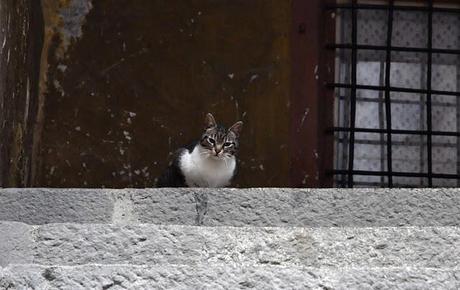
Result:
x=224 y=277
x=42 y=205
x=235 y=207
x=16 y=241
x=164 y=206
x=333 y=207
x=75 y=244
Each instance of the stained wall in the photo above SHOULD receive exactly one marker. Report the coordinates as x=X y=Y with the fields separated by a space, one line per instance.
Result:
x=123 y=85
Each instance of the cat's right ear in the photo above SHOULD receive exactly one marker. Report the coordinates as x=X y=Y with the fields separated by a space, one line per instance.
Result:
x=209 y=121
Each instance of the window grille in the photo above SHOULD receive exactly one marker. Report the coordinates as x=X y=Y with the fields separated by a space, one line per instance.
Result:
x=397 y=94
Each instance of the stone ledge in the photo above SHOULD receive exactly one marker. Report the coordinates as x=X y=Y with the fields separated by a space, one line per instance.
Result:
x=224 y=277
x=77 y=244
x=235 y=207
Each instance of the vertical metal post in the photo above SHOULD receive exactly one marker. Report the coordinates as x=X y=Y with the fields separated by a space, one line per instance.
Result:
x=388 y=93
x=429 y=95
x=354 y=62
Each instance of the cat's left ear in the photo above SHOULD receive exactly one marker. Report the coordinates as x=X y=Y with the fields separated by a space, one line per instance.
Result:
x=236 y=128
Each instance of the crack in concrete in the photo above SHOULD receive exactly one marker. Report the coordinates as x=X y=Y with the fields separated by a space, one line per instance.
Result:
x=201 y=200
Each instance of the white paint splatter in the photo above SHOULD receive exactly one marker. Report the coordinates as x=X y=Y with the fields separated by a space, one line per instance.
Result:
x=231 y=76
x=127 y=136
x=78 y=128
x=62 y=67
x=253 y=78
x=304 y=181
x=26 y=109
x=307 y=110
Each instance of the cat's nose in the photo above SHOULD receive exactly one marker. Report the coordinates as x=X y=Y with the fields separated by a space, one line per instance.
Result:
x=218 y=149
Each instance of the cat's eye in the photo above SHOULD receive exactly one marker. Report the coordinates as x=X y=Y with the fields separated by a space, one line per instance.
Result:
x=212 y=141
x=228 y=144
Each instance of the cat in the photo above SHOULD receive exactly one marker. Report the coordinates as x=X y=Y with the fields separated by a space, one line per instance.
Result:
x=209 y=162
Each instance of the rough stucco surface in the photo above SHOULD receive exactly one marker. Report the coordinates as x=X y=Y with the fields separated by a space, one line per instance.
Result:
x=224 y=277
x=76 y=244
x=15 y=243
x=235 y=207
x=318 y=239
x=50 y=206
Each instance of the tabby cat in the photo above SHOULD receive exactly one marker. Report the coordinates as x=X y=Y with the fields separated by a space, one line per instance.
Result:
x=209 y=162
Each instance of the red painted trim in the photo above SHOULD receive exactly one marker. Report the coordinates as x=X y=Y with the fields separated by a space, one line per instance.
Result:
x=311 y=104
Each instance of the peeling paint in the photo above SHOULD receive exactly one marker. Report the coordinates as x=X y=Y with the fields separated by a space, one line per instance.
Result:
x=66 y=19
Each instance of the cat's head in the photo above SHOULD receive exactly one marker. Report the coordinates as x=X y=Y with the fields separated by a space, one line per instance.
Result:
x=219 y=142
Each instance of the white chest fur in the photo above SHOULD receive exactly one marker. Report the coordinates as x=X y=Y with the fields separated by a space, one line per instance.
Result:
x=201 y=171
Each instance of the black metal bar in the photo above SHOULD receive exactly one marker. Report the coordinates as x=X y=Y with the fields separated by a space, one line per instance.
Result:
x=395 y=131
x=410 y=102
x=388 y=93
x=385 y=7
x=429 y=95
x=354 y=64
x=394 y=173
x=394 y=48
x=399 y=143
x=393 y=89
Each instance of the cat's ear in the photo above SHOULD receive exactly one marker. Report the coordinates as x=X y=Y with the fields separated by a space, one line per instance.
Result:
x=236 y=128
x=209 y=121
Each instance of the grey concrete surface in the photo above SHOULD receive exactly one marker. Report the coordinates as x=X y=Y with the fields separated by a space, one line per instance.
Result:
x=41 y=205
x=224 y=277
x=77 y=244
x=16 y=241
x=235 y=207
